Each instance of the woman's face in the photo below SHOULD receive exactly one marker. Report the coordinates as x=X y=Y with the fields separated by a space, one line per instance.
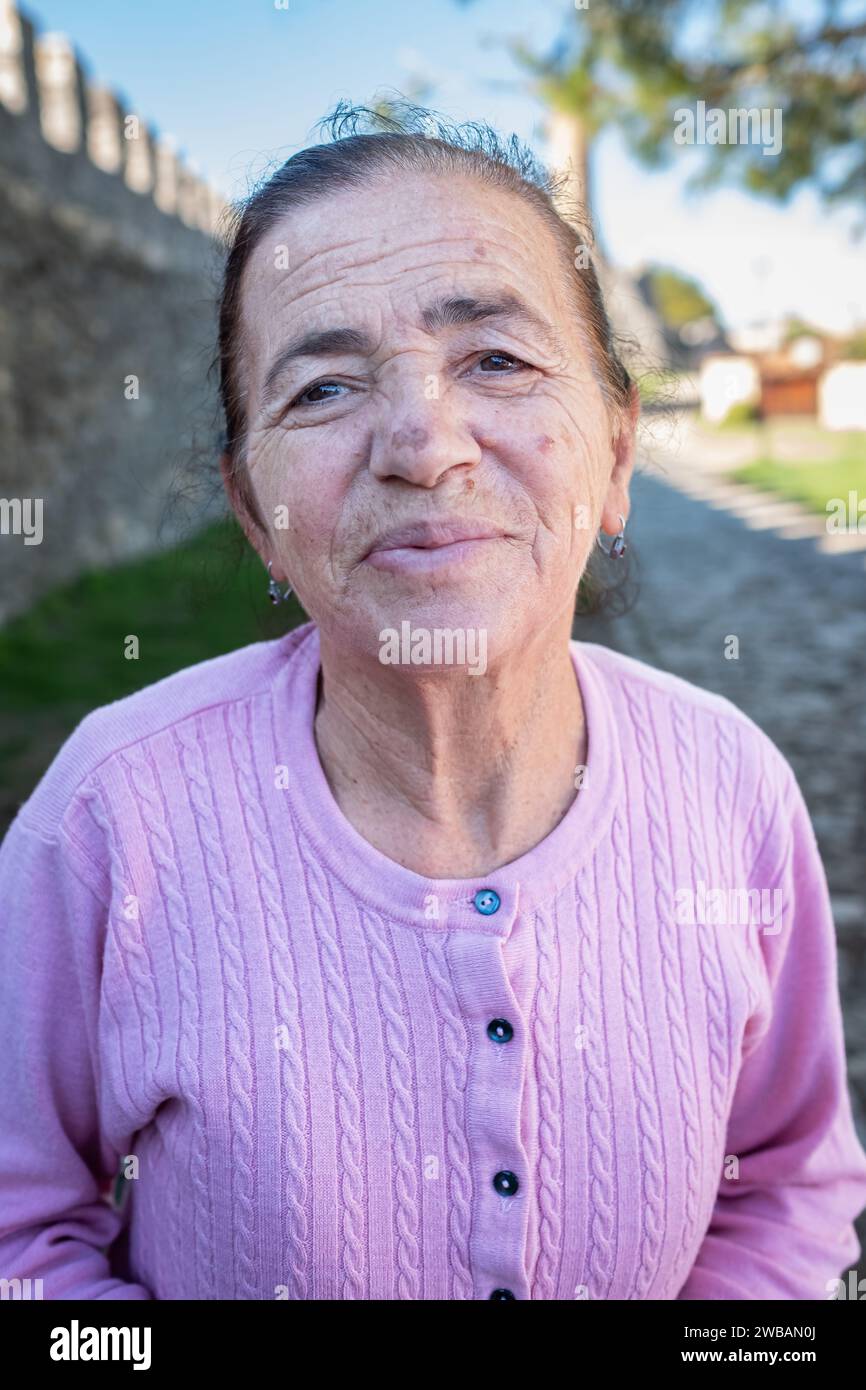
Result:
x=411 y=360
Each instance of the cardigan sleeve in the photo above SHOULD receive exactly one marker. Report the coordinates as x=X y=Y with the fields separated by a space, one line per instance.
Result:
x=782 y=1228
x=54 y=1224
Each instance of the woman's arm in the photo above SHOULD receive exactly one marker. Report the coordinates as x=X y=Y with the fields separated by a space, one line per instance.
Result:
x=783 y=1228
x=54 y=1226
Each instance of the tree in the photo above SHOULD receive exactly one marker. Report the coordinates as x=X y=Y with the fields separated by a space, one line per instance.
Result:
x=634 y=63
x=678 y=299
x=690 y=321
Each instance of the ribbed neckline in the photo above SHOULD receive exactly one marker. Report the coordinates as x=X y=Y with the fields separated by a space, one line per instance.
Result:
x=387 y=887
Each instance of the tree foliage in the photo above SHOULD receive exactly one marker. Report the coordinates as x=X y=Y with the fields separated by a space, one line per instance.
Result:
x=634 y=63
x=678 y=299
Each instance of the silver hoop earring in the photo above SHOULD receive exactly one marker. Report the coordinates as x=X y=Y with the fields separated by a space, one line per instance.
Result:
x=618 y=545
x=275 y=593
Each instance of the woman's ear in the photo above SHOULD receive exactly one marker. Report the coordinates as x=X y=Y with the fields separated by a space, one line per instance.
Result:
x=624 y=447
x=240 y=505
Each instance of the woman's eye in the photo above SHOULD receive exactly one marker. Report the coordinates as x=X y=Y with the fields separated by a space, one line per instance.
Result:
x=500 y=358
x=500 y=362
x=308 y=396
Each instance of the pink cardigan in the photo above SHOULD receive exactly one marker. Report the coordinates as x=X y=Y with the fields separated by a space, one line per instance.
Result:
x=602 y=1072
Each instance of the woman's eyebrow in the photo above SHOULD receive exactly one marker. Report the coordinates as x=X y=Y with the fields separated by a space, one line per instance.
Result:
x=325 y=342
x=453 y=311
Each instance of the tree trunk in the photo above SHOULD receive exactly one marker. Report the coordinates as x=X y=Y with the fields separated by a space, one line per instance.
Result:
x=569 y=150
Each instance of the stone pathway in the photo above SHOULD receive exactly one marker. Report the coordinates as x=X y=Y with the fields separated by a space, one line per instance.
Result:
x=800 y=616
x=698 y=460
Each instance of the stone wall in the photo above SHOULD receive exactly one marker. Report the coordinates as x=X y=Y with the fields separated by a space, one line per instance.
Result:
x=109 y=261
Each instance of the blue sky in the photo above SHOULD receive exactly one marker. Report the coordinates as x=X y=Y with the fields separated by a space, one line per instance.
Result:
x=240 y=83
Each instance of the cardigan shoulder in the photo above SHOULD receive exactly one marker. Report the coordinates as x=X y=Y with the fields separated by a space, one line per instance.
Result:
x=135 y=718
x=729 y=740
x=631 y=676
x=628 y=671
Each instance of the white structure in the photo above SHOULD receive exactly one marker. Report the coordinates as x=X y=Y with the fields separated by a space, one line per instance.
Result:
x=13 y=88
x=58 y=96
x=758 y=337
x=842 y=397
x=806 y=352
x=725 y=381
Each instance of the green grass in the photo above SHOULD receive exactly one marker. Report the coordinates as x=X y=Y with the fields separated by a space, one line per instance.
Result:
x=184 y=605
x=658 y=387
x=65 y=656
x=812 y=484
x=743 y=415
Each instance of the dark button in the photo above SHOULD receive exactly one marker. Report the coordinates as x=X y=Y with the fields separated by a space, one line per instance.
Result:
x=500 y=1030
x=502 y=1294
x=487 y=901
x=506 y=1183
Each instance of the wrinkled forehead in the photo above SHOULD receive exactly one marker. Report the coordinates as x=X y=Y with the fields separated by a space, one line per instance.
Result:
x=380 y=248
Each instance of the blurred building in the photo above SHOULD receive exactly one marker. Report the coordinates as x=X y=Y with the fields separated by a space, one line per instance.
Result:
x=772 y=373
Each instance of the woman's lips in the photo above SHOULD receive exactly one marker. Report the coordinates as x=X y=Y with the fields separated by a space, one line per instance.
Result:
x=423 y=546
x=415 y=559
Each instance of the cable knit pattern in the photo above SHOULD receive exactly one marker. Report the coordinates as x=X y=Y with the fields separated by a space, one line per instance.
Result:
x=454 y=1074
x=294 y=1233
x=646 y=1091
x=547 y=1064
x=719 y=1061
x=671 y=957
x=144 y=784
x=205 y=967
x=395 y=1026
x=597 y=1103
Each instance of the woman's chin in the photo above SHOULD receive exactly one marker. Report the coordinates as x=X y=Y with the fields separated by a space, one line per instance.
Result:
x=430 y=632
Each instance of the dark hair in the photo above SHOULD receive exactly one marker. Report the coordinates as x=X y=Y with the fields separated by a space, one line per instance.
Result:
x=366 y=144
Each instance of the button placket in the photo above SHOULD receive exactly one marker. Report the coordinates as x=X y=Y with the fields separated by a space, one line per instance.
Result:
x=494 y=1095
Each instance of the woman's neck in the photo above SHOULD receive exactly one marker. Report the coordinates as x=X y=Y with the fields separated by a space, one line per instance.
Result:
x=449 y=774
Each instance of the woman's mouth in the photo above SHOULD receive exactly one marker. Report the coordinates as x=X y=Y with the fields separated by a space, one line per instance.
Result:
x=413 y=559
x=422 y=547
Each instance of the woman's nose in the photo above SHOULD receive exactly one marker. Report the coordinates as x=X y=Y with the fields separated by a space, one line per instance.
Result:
x=422 y=444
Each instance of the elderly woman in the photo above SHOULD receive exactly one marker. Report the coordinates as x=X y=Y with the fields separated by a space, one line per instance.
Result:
x=402 y=957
